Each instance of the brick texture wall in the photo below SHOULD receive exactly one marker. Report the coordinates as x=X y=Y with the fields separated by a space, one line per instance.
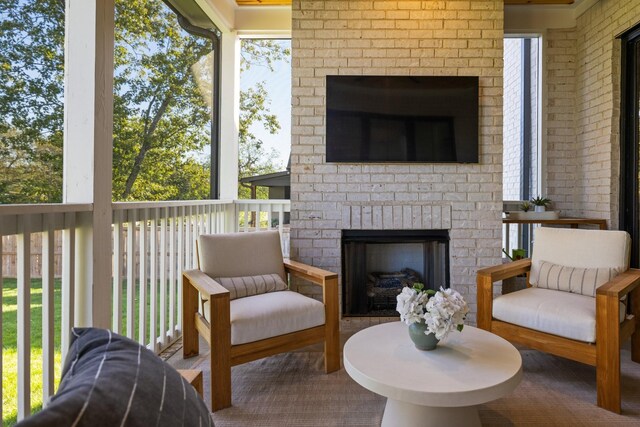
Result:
x=512 y=118
x=583 y=143
x=462 y=38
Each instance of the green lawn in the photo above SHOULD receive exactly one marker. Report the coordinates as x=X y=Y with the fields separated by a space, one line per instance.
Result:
x=10 y=352
x=9 y=343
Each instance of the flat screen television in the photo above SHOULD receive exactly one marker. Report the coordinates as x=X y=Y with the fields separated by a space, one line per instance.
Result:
x=423 y=119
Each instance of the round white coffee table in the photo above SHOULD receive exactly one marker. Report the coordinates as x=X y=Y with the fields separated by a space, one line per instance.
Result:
x=432 y=388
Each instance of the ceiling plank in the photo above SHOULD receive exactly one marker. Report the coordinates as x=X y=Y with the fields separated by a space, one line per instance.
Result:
x=288 y=2
x=263 y=2
x=539 y=1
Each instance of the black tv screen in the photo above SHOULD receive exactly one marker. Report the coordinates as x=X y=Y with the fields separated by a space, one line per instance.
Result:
x=425 y=119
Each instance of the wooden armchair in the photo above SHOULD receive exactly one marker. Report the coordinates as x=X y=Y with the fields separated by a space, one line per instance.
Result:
x=247 y=328
x=552 y=316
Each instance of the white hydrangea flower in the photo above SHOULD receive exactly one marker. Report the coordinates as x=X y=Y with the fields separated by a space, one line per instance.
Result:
x=442 y=313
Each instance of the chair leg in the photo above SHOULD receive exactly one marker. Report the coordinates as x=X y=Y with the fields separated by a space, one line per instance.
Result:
x=220 y=340
x=608 y=353
x=332 y=327
x=635 y=337
x=331 y=352
x=190 y=344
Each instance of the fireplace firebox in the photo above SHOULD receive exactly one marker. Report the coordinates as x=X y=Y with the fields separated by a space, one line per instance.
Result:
x=377 y=264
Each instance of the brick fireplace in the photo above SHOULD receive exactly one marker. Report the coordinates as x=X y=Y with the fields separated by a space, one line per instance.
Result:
x=396 y=38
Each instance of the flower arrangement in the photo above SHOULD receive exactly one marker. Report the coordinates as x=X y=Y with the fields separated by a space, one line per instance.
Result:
x=441 y=311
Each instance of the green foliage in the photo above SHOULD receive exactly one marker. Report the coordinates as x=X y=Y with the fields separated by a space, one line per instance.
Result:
x=525 y=206
x=540 y=201
x=253 y=158
x=162 y=104
x=162 y=98
x=31 y=109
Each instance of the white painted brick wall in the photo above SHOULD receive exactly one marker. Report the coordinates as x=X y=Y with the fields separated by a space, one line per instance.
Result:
x=583 y=144
x=396 y=38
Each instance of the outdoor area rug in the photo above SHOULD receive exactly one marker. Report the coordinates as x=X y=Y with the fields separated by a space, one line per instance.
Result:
x=292 y=389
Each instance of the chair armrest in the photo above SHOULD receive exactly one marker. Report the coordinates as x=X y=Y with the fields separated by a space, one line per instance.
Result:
x=620 y=285
x=312 y=274
x=505 y=271
x=205 y=284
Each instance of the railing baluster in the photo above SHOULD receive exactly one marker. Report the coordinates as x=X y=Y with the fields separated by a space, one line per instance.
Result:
x=188 y=222
x=201 y=230
x=116 y=322
x=48 y=312
x=172 y=274
x=142 y=279
x=131 y=271
x=153 y=282
x=1 y=337
x=68 y=281
x=177 y=292
x=24 y=316
x=247 y=216
x=163 y=276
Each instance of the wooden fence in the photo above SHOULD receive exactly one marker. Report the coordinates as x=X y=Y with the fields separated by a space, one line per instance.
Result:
x=10 y=256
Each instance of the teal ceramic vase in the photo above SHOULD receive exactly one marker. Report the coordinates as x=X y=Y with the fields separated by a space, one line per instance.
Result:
x=421 y=340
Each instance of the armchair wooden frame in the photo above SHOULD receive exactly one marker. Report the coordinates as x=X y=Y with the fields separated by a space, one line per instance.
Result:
x=218 y=331
x=610 y=333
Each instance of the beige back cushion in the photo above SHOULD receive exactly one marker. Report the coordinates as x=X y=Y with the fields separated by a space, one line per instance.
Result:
x=241 y=254
x=583 y=249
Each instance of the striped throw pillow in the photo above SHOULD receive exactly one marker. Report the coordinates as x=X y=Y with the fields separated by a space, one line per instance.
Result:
x=240 y=287
x=583 y=281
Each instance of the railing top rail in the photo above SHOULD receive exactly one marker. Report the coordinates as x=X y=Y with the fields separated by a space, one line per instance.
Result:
x=44 y=208
x=121 y=206
x=261 y=201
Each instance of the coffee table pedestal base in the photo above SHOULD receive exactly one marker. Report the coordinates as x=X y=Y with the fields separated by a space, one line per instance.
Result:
x=404 y=414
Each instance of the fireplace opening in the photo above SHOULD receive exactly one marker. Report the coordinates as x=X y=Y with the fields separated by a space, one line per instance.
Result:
x=377 y=264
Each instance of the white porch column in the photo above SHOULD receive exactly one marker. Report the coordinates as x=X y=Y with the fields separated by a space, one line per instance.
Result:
x=88 y=145
x=229 y=114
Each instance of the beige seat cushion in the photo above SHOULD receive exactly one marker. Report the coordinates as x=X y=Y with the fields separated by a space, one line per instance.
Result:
x=268 y=315
x=559 y=313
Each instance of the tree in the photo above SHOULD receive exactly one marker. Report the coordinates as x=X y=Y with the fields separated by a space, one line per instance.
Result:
x=31 y=109
x=253 y=158
x=162 y=104
x=161 y=117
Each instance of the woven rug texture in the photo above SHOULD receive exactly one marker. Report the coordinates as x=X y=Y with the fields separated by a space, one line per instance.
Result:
x=292 y=389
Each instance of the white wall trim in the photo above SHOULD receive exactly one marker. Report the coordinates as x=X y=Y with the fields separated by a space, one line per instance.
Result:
x=221 y=12
x=229 y=114
x=527 y=18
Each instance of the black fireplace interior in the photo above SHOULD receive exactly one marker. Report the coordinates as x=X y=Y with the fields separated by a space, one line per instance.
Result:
x=377 y=264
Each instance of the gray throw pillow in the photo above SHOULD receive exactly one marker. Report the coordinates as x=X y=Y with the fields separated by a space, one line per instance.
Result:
x=110 y=380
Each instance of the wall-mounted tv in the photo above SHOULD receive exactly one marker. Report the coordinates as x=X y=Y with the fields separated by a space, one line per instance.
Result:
x=423 y=119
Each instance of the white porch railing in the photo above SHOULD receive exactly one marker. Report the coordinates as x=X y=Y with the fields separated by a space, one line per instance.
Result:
x=152 y=243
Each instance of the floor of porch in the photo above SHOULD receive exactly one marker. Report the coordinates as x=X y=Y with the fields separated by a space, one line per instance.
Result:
x=291 y=389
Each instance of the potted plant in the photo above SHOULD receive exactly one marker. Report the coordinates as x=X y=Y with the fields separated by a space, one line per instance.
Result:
x=430 y=315
x=540 y=203
x=525 y=207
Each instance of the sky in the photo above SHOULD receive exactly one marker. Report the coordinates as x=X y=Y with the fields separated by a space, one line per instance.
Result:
x=278 y=85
